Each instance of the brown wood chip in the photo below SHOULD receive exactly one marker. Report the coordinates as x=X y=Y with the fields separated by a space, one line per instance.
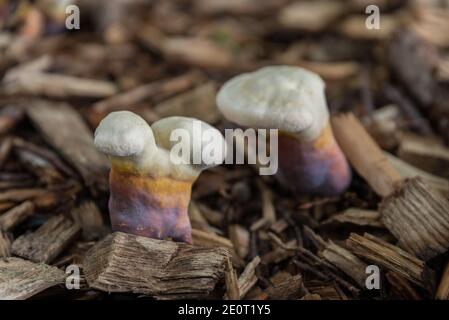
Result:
x=163 y=269
x=21 y=279
x=391 y=257
x=48 y=241
x=65 y=130
x=418 y=216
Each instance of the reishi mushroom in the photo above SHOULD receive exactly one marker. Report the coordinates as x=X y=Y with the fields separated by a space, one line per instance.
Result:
x=149 y=192
x=292 y=100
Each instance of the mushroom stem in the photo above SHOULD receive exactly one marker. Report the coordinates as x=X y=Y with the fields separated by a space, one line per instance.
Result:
x=315 y=166
x=154 y=207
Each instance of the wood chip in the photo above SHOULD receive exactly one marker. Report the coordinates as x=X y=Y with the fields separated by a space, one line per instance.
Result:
x=13 y=217
x=232 y=285
x=310 y=15
x=162 y=269
x=5 y=245
x=89 y=218
x=248 y=278
x=287 y=289
x=401 y=286
x=207 y=239
x=443 y=287
x=48 y=241
x=391 y=257
x=134 y=96
x=196 y=51
x=418 y=216
x=364 y=154
x=21 y=279
x=197 y=103
x=427 y=153
x=58 y=86
x=346 y=262
x=240 y=238
x=19 y=195
x=355 y=216
x=355 y=27
x=65 y=130
x=407 y=170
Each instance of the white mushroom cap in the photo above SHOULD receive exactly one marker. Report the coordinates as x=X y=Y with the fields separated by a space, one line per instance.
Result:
x=126 y=136
x=123 y=134
x=196 y=136
x=287 y=98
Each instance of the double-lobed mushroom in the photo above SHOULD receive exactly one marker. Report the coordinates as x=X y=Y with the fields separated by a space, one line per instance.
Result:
x=150 y=191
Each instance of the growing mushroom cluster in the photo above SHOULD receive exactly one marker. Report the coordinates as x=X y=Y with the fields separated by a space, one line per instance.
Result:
x=150 y=185
x=150 y=192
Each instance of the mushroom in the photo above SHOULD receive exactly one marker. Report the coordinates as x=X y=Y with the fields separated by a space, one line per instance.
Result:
x=292 y=100
x=150 y=186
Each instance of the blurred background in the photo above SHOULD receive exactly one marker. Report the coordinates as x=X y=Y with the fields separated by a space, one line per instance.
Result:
x=161 y=58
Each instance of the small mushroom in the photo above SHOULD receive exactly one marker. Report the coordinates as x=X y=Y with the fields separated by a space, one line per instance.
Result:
x=292 y=100
x=150 y=186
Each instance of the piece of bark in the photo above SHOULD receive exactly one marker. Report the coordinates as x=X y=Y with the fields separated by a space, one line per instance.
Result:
x=207 y=239
x=232 y=285
x=5 y=245
x=325 y=291
x=311 y=296
x=5 y=150
x=237 y=7
x=10 y=116
x=355 y=216
x=364 y=154
x=427 y=153
x=89 y=218
x=58 y=86
x=354 y=27
x=393 y=258
x=44 y=153
x=240 y=238
x=287 y=289
x=308 y=261
x=19 y=195
x=13 y=217
x=443 y=288
x=159 y=88
x=197 y=219
x=407 y=170
x=409 y=110
x=268 y=210
x=21 y=279
x=279 y=253
x=346 y=262
x=407 y=49
x=402 y=286
x=162 y=269
x=48 y=241
x=197 y=103
x=248 y=278
x=65 y=130
x=312 y=16
x=418 y=217
x=197 y=52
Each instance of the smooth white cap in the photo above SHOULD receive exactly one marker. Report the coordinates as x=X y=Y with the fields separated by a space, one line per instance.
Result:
x=192 y=134
x=287 y=98
x=123 y=134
